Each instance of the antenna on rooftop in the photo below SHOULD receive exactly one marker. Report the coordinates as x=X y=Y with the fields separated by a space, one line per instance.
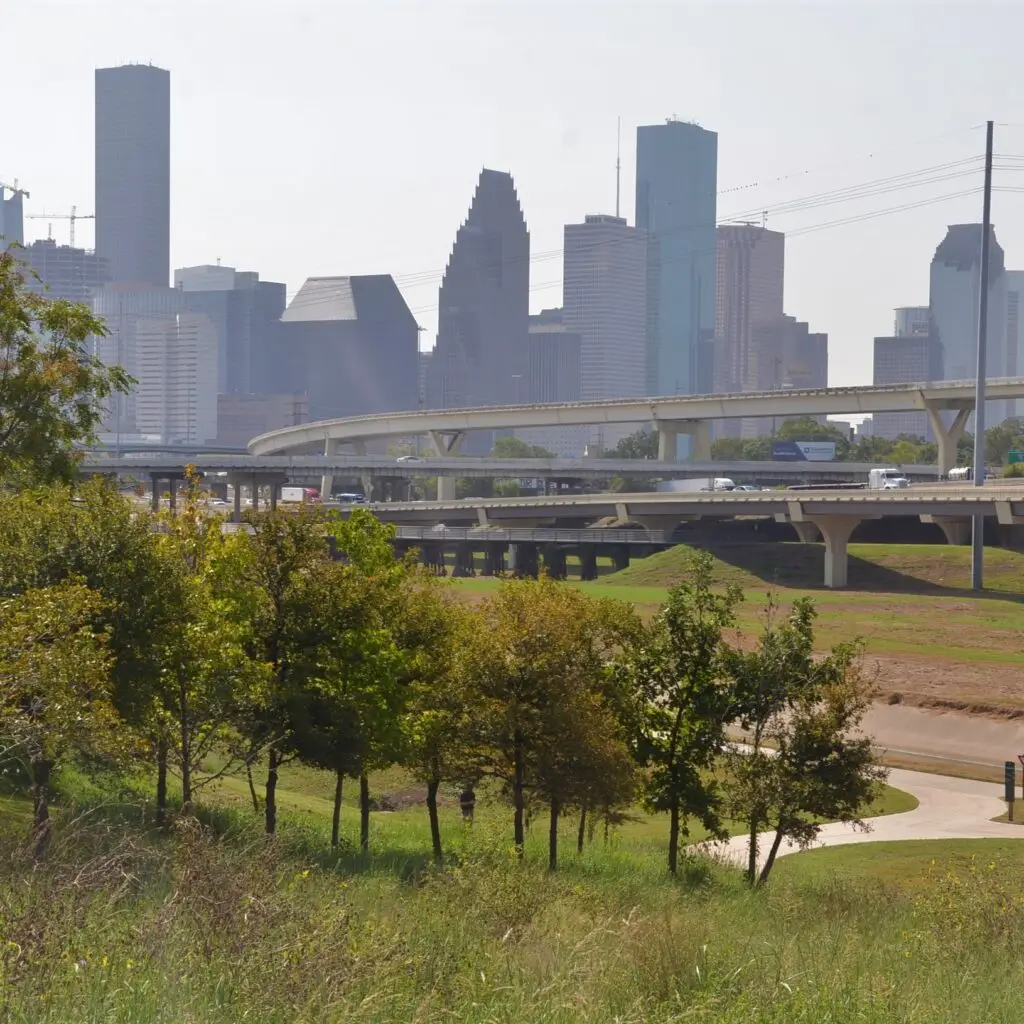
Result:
x=618 y=163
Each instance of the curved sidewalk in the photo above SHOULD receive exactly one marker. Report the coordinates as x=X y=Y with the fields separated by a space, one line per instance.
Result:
x=948 y=808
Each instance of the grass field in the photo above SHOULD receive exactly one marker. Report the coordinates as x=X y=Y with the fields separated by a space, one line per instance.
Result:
x=129 y=925
x=926 y=636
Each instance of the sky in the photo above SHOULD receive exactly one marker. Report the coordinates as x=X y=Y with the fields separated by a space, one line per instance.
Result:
x=323 y=137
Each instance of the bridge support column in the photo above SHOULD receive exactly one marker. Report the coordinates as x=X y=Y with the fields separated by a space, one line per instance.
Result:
x=331 y=447
x=155 y=481
x=464 y=561
x=620 y=557
x=956 y=529
x=236 y=513
x=446 y=488
x=554 y=561
x=837 y=531
x=948 y=437
x=807 y=533
x=172 y=493
x=432 y=556
x=446 y=443
x=668 y=439
x=523 y=560
x=494 y=559
x=588 y=561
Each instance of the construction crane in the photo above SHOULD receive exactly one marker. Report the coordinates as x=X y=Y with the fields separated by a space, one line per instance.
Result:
x=72 y=217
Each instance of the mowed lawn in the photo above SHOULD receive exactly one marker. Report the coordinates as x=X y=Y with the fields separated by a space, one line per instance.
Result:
x=903 y=599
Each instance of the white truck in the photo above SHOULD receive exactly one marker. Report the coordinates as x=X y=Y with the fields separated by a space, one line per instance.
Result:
x=700 y=483
x=304 y=495
x=888 y=479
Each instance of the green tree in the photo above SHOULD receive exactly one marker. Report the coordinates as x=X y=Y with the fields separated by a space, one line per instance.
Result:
x=54 y=686
x=905 y=452
x=515 y=448
x=729 y=449
x=641 y=444
x=539 y=647
x=206 y=687
x=1001 y=438
x=871 y=449
x=52 y=389
x=807 y=761
x=678 y=673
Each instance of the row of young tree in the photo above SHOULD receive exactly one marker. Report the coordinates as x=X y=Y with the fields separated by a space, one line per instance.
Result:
x=166 y=642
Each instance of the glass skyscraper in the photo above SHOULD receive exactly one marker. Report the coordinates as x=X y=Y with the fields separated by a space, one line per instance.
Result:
x=676 y=180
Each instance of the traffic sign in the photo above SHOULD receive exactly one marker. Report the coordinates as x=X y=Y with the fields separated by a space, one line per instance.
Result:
x=1015 y=455
x=1009 y=781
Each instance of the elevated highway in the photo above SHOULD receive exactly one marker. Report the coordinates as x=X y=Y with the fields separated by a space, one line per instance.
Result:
x=670 y=416
x=833 y=514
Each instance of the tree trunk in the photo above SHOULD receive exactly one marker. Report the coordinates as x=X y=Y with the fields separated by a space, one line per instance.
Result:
x=582 y=833
x=252 y=788
x=769 y=863
x=435 y=825
x=271 y=792
x=186 y=754
x=364 y=813
x=673 y=837
x=752 y=852
x=519 y=835
x=41 y=824
x=161 y=783
x=553 y=836
x=339 y=779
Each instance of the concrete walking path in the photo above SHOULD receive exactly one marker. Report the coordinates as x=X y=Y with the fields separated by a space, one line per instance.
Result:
x=948 y=808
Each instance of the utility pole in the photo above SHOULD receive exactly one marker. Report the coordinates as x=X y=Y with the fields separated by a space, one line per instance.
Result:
x=978 y=520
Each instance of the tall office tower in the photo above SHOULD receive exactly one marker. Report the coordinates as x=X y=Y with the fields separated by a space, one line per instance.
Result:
x=910 y=355
x=604 y=284
x=483 y=306
x=63 y=272
x=176 y=397
x=246 y=313
x=750 y=272
x=240 y=418
x=133 y=173
x=122 y=307
x=676 y=177
x=12 y=222
x=350 y=344
x=553 y=375
x=954 y=301
x=1014 y=344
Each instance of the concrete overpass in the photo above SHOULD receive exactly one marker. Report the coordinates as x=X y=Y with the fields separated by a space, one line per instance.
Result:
x=277 y=469
x=670 y=416
x=833 y=514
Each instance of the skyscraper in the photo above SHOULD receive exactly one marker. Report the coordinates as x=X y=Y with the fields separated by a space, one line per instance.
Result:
x=483 y=305
x=604 y=302
x=751 y=264
x=910 y=356
x=133 y=173
x=676 y=179
x=64 y=272
x=246 y=313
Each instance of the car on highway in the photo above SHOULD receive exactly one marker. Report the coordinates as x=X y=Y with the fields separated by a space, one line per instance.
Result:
x=747 y=487
x=409 y=458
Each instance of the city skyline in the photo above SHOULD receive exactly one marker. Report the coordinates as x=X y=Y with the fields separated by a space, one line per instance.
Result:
x=373 y=199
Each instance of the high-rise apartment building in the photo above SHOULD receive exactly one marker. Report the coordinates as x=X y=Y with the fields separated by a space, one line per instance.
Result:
x=676 y=180
x=350 y=344
x=604 y=284
x=133 y=173
x=63 y=272
x=483 y=305
x=12 y=222
x=176 y=396
x=246 y=313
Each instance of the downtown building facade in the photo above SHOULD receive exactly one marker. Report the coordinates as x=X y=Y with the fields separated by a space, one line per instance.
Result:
x=909 y=355
x=483 y=307
x=676 y=182
x=176 y=397
x=12 y=219
x=349 y=345
x=604 y=284
x=63 y=271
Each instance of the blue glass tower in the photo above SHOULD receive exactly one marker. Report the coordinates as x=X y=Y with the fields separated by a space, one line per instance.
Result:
x=676 y=181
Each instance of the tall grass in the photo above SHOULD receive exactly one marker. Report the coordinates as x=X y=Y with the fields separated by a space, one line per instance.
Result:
x=218 y=924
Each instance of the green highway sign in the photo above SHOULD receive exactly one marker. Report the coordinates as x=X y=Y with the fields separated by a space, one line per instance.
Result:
x=1015 y=455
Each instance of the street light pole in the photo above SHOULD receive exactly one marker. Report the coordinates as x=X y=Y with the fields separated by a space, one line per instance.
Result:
x=978 y=520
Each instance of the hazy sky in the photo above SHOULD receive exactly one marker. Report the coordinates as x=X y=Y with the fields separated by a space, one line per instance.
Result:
x=315 y=138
